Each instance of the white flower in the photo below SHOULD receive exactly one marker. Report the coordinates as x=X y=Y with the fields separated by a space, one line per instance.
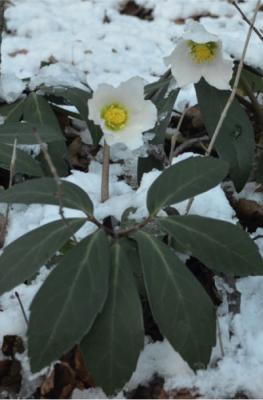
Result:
x=199 y=54
x=122 y=112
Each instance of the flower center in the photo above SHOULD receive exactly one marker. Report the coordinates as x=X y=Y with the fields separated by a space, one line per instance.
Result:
x=202 y=52
x=115 y=116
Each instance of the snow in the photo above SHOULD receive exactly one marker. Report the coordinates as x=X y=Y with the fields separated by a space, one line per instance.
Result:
x=84 y=49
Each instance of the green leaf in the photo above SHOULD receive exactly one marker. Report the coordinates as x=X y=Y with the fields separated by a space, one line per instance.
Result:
x=184 y=180
x=221 y=246
x=156 y=91
x=58 y=154
x=24 y=163
x=165 y=108
x=45 y=191
x=22 y=258
x=79 y=98
x=68 y=302
x=254 y=80
x=24 y=133
x=112 y=347
x=259 y=170
x=13 y=112
x=180 y=306
x=235 y=142
x=38 y=111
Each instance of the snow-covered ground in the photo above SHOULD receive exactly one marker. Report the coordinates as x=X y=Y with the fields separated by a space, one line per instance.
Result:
x=90 y=41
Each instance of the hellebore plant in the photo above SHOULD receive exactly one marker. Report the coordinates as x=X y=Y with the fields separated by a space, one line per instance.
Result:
x=93 y=294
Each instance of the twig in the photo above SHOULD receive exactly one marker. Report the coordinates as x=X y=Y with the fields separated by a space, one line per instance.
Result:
x=56 y=177
x=105 y=173
x=257 y=237
x=22 y=307
x=247 y=20
x=219 y=335
x=176 y=134
x=189 y=143
x=232 y=95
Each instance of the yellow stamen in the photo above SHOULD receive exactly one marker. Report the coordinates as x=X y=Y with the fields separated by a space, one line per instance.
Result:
x=115 y=116
x=202 y=52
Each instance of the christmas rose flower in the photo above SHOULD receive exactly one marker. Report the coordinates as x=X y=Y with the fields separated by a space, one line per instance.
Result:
x=122 y=112
x=199 y=54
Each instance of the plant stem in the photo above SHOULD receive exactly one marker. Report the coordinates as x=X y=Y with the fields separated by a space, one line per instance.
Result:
x=176 y=134
x=105 y=173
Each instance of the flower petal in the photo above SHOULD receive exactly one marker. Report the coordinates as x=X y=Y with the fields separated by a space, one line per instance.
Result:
x=183 y=67
x=218 y=73
x=146 y=118
x=132 y=138
x=102 y=96
x=196 y=32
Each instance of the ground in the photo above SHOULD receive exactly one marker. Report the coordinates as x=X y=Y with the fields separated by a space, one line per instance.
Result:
x=95 y=41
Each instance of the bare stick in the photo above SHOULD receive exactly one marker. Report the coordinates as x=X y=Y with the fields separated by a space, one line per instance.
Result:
x=176 y=134
x=22 y=307
x=105 y=173
x=247 y=20
x=219 y=335
x=189 y=143
x=232 y=95
x=58 y=181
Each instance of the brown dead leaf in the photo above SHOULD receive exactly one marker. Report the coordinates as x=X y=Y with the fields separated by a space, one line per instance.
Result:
x=17 y=52
x=182 y=394
x=81 y=154
x=10 y=375
x=250 y=213
x=12 y=344
x=60 y=384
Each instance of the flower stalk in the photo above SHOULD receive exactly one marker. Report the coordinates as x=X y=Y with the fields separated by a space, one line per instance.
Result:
x=105 y=173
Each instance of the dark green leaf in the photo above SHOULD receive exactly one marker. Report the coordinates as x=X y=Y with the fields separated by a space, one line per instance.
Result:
x=156 y=90
x=236 y=142
x=24 y=164
x=79 y=98
x=180 y=306
x=24 y=133
x=38 y=111
x=112 y=347
x=184 y=180
x=68 y=302
x=23 y=257
x=254 y=80
x=58 y=154
x=259 y=170
x=221 y=246
x=13 y=112
x=45 y=191
x=165 y=108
